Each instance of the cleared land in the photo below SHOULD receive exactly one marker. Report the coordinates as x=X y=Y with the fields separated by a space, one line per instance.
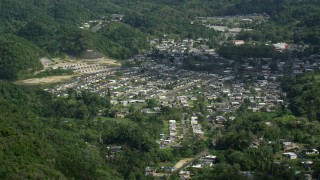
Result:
x=69 y=61
x=124 y=121
x=182 y=162
x=57 y=62
x=45 y=80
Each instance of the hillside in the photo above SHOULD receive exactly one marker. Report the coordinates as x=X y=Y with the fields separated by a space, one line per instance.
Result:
x=53 y=25
x=45 y=137
x=18 y=57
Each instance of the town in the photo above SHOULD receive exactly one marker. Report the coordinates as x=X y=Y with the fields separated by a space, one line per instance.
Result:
x=160 y=89
x=254 y=85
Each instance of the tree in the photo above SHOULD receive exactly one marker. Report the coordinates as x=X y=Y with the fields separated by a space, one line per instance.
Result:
x=152 y=103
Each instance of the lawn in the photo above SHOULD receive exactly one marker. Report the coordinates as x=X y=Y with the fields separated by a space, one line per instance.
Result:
x=165 y=128
x=168 y=164
x=118 y=120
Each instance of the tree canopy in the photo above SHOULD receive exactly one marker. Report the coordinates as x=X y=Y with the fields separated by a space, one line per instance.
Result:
x=17 y=57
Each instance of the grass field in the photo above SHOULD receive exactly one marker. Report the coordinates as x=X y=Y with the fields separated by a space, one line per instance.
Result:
x=117 y=120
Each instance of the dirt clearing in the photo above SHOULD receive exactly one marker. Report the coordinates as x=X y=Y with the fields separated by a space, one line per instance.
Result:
x=46 y=80
x=183 y=162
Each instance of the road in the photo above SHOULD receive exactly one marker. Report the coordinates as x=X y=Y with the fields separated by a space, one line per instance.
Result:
x=184 y=124
x=98 y=26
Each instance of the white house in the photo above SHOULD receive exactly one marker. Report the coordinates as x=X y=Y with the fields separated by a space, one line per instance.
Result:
x=290 y=155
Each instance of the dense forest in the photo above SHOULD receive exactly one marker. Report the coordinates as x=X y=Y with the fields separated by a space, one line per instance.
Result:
x=17 y=57
x=303 y=94
x=48 y=137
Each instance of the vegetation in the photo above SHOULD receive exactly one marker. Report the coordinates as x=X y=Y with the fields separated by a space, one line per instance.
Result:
x=41 y=141
x=116 y=40
x=246 y=51
x=121 y=41
x=17 y=57
x=196 y=64
x=303 y=95
x=54 y=72
x=53 y=26
x=239 y=154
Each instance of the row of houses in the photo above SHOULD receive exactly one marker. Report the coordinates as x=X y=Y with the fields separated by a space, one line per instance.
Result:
x=196 y=127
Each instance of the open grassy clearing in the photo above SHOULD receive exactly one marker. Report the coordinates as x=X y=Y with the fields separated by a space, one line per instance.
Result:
x=117 y=120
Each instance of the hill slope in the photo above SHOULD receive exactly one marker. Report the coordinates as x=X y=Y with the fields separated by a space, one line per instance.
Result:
x=17 y=57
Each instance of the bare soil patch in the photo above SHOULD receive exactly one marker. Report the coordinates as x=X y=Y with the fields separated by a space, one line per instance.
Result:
x=45 y=80
x=58 y=62
x=182 y=162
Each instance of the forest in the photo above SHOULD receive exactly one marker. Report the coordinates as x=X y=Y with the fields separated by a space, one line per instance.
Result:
x=303 y=95
x=18 y=57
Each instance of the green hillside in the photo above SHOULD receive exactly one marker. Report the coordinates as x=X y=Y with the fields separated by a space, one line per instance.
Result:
x=53 y=25
x=18 y=57
x=45 y=137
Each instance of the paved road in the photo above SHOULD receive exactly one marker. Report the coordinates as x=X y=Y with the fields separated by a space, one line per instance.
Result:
x=184 y=124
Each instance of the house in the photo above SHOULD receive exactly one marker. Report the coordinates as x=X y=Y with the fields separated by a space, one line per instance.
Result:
x=255 y=143
x=307 y=164
x=281 y=46
x=231 y=118
x=290 y=155
x=150 y=170
x=114 y=102
x=198 y=166
x=209 y=158
x=209 y=110
x=185 y=174
x=235 y=103
x=287 y=146
x=167 y=168
x=221 y=120
x=238 y=42
x=172 y=129
x=247 y=174
x=311 y=151
x=114 y=149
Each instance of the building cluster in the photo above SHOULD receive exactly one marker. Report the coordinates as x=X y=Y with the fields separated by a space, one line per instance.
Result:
x=172 y=129
x=170 y=139
x=196 y=127
x=95 y=25
x=82 y=67
x=182 y=48
x=232 y=25
x=149 y=81
x=183 y=101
